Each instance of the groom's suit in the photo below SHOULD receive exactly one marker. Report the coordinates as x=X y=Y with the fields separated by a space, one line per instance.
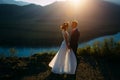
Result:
x=75 y=34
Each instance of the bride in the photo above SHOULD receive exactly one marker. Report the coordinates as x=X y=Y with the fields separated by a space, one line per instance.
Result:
x=64 y=62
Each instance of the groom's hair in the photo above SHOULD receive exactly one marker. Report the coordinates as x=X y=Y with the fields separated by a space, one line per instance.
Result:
x=75 y=22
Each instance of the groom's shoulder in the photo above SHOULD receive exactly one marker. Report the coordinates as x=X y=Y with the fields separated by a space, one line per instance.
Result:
x=77 y=30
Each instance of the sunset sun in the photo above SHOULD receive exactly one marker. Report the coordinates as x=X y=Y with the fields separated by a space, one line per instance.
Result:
x=75 y=2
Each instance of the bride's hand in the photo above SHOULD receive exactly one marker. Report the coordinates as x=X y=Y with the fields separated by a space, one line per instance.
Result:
x=68 y=47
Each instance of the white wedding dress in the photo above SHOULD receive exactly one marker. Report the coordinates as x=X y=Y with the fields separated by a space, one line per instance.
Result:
x=64 y=62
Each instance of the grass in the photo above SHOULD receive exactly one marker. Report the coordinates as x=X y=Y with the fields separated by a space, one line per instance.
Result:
x=97 y=62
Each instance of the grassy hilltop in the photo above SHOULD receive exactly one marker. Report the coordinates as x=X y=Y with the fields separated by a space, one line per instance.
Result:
x=97 y=62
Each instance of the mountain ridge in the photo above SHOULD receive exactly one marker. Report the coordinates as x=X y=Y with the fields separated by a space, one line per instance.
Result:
x=33 y=25
x=20 y=3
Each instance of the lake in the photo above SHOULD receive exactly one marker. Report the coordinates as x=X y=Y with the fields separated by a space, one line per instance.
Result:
x=25 y=52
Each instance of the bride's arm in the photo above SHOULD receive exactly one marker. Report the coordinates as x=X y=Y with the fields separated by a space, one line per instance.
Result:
x=66 y=40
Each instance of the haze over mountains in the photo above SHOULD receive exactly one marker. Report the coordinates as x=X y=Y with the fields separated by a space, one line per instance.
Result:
x=13 y=2
x=34 y=25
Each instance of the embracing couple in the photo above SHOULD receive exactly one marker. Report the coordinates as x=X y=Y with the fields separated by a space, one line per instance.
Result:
x=65 y=61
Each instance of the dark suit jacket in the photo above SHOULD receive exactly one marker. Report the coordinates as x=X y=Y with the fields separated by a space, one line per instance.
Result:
x=74 y=39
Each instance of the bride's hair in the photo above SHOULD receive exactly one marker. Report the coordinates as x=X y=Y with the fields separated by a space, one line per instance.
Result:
x=64 y=26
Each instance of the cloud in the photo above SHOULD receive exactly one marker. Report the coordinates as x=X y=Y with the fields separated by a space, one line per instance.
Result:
x=40 y=2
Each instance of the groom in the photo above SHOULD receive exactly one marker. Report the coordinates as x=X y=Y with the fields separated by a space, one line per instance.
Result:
x=74 y=39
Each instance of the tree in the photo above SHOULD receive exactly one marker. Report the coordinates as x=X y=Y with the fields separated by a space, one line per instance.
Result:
x=13 y=52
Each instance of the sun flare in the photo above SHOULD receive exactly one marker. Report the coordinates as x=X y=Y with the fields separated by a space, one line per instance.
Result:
x=75 y=2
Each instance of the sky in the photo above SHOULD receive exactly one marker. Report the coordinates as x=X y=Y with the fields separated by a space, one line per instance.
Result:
x=46 y=2
x=43 y=2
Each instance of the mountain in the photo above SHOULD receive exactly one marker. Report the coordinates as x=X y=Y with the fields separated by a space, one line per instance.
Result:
x=13 y=2
x=33 y=25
